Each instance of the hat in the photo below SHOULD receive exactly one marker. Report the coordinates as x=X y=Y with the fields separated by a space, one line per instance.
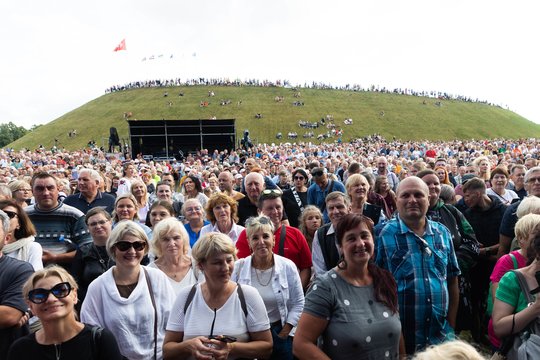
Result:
x=466 y=178
x=238 y=176
x=187 y=169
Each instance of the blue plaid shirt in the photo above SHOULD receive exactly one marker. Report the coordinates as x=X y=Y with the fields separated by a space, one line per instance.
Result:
x=421 y=267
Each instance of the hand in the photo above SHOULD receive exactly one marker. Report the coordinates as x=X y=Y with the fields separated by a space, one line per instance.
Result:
x=220 y=350
x=200 y=349
x=48 y=257
x=24 y=319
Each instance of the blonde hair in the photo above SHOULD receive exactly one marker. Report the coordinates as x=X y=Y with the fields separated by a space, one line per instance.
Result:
x=49 y=271
x=355 y=179
x=527 y=225
x=167 y=226
x=530 y=204
x=123 y=228
x=128 y=196
x=211 y=244
x=258 y=223
x=450 y=350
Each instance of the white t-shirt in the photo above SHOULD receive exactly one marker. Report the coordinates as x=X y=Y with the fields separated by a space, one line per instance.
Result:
x=230 y=318
x=187 y=281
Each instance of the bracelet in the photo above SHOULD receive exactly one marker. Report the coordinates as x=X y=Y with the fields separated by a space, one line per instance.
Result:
x=231 y=347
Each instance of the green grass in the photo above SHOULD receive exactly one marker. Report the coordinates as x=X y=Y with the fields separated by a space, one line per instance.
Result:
x=405 y=117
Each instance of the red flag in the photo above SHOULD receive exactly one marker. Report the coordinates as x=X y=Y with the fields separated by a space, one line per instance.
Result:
x=121 y=46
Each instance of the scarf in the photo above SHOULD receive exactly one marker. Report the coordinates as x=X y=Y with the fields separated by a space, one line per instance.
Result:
x=19 y=244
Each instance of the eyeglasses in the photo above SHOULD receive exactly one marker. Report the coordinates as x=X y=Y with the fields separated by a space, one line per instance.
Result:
x=299 y=178
x=533 y=180
x=317 y=173
x=24 y=190
x=126 y=245
x=262 y=220
x=193 y=209
x=96 y=223
x=10 y=214
x=39 y=295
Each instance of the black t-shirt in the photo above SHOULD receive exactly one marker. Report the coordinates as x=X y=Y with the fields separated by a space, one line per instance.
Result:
x=13 y=274
x=81 y=347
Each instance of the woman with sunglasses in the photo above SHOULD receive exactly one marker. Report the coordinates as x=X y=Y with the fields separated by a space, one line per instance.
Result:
x=218 y=318
x=171 y=246
x=277 y=280
x=51 y=294
x=222 y=211
x=91 y=259
x=354 y=306
x=20 y=241
x=129 y=299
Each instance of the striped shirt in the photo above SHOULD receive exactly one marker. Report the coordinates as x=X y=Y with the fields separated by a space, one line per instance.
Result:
x=59 y=230
x=421 y=267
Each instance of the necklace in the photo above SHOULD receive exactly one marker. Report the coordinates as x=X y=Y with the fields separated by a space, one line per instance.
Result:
x=262 y=271
x=168 y=273
x=58 y=350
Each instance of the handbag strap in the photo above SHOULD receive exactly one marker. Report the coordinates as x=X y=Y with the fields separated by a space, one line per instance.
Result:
x=297 y=198
x=282 y=235
x=514 y=260
x=155 y=310
x=524 y=287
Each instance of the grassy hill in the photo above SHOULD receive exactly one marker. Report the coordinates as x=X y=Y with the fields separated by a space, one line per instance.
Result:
x=405 y=117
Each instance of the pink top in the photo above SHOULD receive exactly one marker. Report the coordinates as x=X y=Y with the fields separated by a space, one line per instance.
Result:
x=503 y=265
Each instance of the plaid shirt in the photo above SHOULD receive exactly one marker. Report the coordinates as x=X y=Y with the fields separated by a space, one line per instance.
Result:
x=421 y=266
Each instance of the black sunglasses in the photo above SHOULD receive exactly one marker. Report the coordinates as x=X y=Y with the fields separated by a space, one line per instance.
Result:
x=299 y=178
x=10 y=214
x=39 y=295
x=126 y=245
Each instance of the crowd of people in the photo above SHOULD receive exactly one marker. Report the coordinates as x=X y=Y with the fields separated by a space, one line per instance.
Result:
x=371 y=249
x=165 y=83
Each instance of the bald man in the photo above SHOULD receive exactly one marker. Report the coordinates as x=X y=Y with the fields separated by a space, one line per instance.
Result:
x=420 y=255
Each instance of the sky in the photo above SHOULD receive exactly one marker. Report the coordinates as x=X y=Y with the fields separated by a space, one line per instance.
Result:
x=58 y=55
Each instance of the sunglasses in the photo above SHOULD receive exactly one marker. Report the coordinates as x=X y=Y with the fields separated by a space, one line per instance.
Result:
x=10 y=214
x=262 y=220
x=318 y=173
x=39 y=295
x=299 y=178
x=272 y=192
x=126 y=245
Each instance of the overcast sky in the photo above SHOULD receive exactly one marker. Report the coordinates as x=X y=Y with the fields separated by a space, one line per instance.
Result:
x=57 y=55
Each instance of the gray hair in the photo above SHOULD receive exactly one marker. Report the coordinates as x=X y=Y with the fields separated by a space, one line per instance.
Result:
x=94 y=175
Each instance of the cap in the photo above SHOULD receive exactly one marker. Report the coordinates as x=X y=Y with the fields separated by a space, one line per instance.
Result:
x=238 y=176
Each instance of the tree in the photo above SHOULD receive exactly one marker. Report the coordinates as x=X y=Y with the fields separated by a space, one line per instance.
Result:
x=10 y=132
